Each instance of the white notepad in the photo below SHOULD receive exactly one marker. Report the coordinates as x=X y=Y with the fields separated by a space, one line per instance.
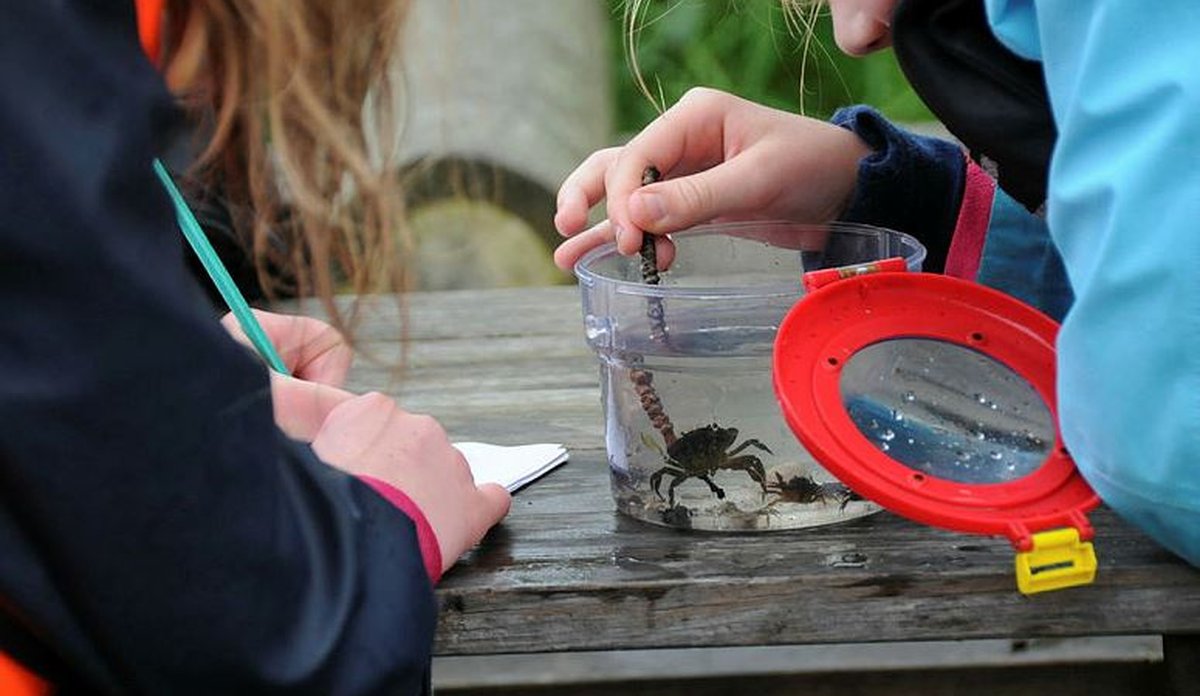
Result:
x=511 y=467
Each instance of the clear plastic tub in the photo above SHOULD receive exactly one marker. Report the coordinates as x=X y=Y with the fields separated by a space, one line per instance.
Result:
x=694 y=435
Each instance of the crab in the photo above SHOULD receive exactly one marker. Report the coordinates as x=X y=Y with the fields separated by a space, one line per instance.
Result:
x=702 y=452
x=803 y=490
x=797 y=489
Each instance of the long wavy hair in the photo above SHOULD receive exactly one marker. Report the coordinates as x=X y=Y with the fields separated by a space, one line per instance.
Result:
x=294 y=110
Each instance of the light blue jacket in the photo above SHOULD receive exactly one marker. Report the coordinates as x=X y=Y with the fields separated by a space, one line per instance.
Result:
x=1124 y=212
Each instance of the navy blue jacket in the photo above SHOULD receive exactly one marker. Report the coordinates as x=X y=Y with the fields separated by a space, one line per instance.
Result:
x=158 y=533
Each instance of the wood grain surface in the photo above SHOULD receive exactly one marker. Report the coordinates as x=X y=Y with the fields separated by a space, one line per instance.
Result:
x=564 y=571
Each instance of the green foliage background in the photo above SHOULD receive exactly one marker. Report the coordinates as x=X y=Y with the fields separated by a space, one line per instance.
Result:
x=746 y=47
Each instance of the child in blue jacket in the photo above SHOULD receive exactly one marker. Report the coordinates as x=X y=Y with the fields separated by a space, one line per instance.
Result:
x=1079 y=194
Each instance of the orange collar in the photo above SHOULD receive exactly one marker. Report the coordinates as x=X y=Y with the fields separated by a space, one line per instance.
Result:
x=149 y=25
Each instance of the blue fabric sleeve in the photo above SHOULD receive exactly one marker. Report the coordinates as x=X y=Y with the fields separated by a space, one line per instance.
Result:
x=159 y=534
x=1124 y=211
x=915 y=184
x=1020 y=259
x=910 y=183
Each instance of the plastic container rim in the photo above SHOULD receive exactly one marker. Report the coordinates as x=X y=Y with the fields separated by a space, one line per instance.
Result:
x=629 y=287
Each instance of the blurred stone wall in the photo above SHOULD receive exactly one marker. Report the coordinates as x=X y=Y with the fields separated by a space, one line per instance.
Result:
x=501 y=99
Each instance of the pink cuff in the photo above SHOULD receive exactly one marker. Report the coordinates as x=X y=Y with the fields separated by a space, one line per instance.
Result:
x=970 y=232
x=430 y=551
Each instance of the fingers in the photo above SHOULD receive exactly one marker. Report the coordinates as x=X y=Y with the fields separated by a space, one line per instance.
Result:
x=351 y=434
x=723 y=158
x=733 y=188
x=311 y=349
x=474 y=511
x=493 y=503
x=569 y=252
x=301 y=407
x=582 y=189
x=370 y=435
x=687 y=137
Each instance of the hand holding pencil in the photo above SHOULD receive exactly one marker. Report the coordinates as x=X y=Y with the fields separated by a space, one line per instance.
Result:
x=317 y=358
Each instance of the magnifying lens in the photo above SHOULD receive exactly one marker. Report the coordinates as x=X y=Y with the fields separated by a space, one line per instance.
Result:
x=934 y=397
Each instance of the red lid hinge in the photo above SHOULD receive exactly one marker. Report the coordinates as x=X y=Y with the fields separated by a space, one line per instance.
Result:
x=814 y=280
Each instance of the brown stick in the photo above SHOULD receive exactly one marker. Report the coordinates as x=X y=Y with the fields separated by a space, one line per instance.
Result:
x=643 y=379
x=654 y=305
x=651 y=403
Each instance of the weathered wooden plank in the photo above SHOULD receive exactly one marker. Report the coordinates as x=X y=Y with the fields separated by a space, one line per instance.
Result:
x=675 y=664
x=466 y=314
x=565 y=572
x=499 y=378
x=505 y=366
x=479 y=352
x=1059 y=680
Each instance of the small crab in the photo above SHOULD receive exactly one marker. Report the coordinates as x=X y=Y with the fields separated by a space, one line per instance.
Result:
x=702 y=452
x=797 y=489
x=804 y=490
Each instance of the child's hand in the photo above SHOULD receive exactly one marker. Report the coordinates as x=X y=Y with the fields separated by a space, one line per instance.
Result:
x=300 y=407
x=318 y=357
x=370 y=435
x=722 y=158
x=311 y=349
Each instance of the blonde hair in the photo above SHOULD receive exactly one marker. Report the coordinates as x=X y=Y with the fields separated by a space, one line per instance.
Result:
x=287 y=92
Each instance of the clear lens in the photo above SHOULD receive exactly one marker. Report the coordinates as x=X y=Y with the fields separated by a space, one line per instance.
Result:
x=947 y=411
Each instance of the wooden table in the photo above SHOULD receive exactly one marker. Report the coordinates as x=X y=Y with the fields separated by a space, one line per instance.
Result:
x=565 y=572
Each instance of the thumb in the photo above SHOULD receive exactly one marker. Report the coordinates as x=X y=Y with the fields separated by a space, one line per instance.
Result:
x=488 y=507
x=729 y=189
x=494 y=502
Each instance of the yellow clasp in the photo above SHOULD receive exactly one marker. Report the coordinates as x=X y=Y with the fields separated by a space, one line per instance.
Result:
x=1058 y=559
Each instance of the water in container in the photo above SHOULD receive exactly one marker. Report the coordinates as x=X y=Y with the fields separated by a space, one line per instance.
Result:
x=693 y=433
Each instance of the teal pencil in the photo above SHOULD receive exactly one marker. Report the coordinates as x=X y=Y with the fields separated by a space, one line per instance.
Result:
x=216 y=270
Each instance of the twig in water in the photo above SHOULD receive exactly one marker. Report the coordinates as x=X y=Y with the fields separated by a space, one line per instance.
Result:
x=643 y=379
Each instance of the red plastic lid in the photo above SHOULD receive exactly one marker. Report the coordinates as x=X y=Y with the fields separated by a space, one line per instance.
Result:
x=829 y=326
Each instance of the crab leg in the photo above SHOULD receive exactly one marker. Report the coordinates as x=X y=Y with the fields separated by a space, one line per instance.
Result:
x=751 y=465
x=717 y=490
x=656 y=478
x=750 y=443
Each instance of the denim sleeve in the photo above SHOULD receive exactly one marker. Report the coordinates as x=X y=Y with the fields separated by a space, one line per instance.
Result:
x=1020 y=259
x=910 y=183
